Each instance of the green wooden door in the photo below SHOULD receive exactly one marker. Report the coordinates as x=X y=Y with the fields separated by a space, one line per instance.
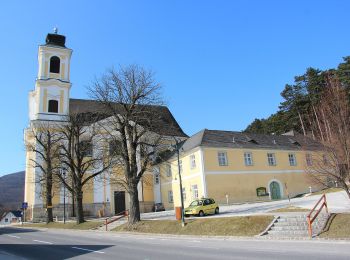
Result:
x=275 y=190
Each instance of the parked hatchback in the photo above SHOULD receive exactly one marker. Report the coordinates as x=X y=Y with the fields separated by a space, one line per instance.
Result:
x=202 y=207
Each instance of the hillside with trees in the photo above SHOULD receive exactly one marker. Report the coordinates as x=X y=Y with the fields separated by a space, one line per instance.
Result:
x=297 y=111
x=11 y=191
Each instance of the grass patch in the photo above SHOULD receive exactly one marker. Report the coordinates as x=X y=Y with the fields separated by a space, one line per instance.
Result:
x=234 y=226
x=290 y=209
x=69 y=225
x=330 y=190
x=338 y=226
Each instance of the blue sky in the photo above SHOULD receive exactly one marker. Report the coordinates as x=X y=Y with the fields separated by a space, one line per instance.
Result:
x=222 y=63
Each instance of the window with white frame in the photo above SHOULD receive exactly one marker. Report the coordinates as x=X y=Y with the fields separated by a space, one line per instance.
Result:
x=192 y=161
x=195 y=191
x=292 y=159
x=170 y=196
x=184 y=193
x=180 y=166
x=248 y=159
x=222 y=158
x=271 y=159
x=308 y=158
x=168 y=170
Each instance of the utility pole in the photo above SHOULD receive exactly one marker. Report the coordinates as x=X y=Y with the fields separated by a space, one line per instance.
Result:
x=64 y=197
x=180 y=180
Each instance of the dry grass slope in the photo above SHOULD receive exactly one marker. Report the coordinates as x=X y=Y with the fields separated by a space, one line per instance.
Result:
x=338 y=227
x=234 y=226
x=69 y=225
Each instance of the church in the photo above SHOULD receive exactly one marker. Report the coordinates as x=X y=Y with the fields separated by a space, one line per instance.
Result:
x=49 y=102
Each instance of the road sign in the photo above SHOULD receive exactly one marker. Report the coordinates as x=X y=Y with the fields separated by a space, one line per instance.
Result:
x=24 y=205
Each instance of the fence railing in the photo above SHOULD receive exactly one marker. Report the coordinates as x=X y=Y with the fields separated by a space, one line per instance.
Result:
x=310 y=218
x=120 y=215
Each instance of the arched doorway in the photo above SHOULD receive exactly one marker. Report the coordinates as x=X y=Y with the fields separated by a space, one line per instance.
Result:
x=275 y=190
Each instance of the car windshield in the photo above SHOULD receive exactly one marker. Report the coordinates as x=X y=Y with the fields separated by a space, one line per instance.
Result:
x=196 y=203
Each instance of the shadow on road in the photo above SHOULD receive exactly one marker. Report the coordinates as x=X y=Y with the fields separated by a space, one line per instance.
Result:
x=13 y=230
x=52 y=252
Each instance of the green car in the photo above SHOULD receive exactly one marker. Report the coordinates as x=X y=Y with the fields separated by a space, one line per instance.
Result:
x=202 y=207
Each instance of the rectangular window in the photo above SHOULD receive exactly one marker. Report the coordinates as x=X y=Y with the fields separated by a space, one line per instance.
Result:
x=292 y=159
x=195 y=191
x=170 y=196
x=85 y=148
x=248 y=159
x=222 y=158
x=184 y=193
x=193 y=161
x=308 y=158
x=114 y=148
x=168 y=170
x=180 y=166
x=271 y=159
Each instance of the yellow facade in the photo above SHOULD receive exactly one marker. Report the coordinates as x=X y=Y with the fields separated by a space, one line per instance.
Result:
x=236 y=181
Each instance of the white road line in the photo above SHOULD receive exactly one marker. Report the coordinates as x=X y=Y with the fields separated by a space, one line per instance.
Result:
x=195 y=241
x=13 y=236
x=94 y=251
x=44 y=242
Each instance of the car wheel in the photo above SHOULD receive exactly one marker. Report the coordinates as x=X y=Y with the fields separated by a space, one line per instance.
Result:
x=201 y=213
x=186 y=215
x=217 y=210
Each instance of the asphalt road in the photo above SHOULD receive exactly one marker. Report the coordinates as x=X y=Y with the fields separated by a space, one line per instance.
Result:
x=17 y=243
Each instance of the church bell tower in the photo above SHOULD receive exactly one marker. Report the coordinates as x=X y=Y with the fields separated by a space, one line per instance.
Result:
x=50 y=98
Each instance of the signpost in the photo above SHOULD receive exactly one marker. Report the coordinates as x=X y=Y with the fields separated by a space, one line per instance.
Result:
x=24 y=207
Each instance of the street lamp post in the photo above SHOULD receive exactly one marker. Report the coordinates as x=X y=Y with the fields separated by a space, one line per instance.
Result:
x=64 y=196
x=180 y=181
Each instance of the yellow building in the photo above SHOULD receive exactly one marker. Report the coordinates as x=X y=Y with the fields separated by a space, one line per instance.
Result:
x=236 y=167
x=49 y=103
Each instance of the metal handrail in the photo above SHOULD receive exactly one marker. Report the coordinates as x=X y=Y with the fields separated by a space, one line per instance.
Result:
x=120 y=215
x=310 y=219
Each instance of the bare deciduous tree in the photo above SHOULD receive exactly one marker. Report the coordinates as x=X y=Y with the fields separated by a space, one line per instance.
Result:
x=131 y=97
x=45 y=143
x=82 y=154
x=332 y=128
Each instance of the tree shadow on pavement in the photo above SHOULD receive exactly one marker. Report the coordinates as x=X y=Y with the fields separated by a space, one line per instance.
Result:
x=52 y=252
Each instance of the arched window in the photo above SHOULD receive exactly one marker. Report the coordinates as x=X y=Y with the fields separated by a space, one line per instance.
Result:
x=53 y=106
x=55 y=64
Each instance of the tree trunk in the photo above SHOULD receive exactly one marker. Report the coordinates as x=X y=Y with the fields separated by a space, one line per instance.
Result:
x=302 y=124
x=345 y=187
x=134 y=210
x=49 y=215
x=79 y=205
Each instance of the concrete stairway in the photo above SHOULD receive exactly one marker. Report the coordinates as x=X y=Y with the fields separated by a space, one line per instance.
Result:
x=295 y=226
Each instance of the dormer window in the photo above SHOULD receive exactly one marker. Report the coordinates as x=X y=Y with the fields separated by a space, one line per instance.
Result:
x=251 y=140
x=294 y=142
x=53 y=106
x=54 y=64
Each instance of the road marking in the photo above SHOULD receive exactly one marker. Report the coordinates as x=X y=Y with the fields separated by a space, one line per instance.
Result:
x=13 y=236
x=195 y=241
x=44 y=242
x=84 y=249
